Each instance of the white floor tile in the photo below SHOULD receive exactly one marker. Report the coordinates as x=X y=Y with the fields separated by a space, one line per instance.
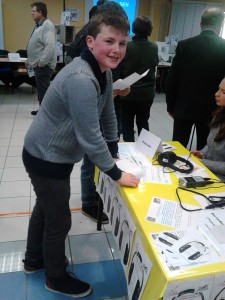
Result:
x=76 y=172
x=5 y=134
x=75 y=186
x=4 y=142
x=18 y=205
x=13 y=228
x=15 y=174
x=2 y=161
x=82 y=224
x=23 y=123
x=3 y=151
x=15 y=189
x=75 y=201
x=14 y=162
x=6 y=125
x=15 y=151
x=17 y=142
x=32 y=202
x=19 y=134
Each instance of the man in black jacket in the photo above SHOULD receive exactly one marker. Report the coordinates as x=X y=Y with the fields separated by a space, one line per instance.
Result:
x=79 y=43
x=196 y=71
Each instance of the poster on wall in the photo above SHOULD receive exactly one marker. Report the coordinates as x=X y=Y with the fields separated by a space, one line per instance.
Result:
x=74 y=14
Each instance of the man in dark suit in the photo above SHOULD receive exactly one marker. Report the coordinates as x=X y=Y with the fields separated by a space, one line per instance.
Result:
x=196 y=71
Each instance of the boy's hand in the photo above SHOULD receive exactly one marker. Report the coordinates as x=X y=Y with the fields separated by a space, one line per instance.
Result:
x=124 y=92
x=128 y=179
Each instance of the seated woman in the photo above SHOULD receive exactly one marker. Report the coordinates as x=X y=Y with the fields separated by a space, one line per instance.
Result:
x=213 y=154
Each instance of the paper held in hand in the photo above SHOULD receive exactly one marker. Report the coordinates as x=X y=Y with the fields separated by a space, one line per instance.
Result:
x=122 y=84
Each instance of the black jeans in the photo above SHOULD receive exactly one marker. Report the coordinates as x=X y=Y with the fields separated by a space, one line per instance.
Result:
x=42 y=76
x=182 y=131
x=130 y=109
x=49 y=224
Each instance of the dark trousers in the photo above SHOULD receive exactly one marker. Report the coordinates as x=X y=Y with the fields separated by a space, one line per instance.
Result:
x=182 y=131
x=49 y=224
x=130 y=109
x=42 y=76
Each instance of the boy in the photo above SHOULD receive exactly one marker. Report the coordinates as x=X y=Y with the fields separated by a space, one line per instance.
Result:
x=66 y=127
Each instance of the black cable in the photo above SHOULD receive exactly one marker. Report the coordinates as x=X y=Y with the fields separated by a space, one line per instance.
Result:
x=180 y=188
x=211 y=181
x=214 y=203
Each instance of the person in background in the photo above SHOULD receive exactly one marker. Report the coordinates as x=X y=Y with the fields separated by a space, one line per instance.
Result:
x=41 y=49
x=213 y=154
x=66 y=127
x=79 y=43
x=141 y=55
x=89 y=197
x=195 y=73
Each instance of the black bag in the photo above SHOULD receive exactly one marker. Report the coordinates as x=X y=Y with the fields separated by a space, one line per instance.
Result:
x=79 y=43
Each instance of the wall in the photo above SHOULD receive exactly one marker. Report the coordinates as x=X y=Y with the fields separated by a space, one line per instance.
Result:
x=18 y=23
x=1 y=28
x=159 y=13
x=151 y=9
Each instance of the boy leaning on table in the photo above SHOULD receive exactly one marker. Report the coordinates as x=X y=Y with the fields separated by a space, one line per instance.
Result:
x=66 y=127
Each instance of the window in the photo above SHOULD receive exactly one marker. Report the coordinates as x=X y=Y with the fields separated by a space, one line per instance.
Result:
x=223 y=32
x=186 y=17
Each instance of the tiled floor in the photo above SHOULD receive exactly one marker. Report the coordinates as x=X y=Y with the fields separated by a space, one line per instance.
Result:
x=93 y=255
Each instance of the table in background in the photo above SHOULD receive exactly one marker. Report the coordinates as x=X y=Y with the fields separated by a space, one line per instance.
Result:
x=18 y=73
x=161 y=76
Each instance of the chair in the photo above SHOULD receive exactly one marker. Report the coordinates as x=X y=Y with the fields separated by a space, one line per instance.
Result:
x=22 y=53
x=5 y=69
x=20 y=75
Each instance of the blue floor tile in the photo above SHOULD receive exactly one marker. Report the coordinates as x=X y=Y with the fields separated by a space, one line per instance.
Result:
x=103 y=277
x=89 y=248
x=13 y=286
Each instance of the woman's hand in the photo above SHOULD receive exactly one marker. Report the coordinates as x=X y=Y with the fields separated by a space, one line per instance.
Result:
x=124 y=92
x=197 y=153
x=128 y=179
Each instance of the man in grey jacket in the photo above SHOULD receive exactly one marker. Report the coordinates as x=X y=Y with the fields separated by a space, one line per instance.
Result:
x=41 y=49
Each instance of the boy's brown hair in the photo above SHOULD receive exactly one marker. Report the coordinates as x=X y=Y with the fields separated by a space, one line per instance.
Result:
x=109 y=15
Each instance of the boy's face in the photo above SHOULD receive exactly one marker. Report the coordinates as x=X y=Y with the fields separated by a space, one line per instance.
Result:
x=109 y=47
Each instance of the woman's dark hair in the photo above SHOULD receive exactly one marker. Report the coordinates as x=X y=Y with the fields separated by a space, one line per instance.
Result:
x=100 y=2
x=41 y=7
x=219 y=121
x=142 y=26
x=109 y=14
x=92 y=11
